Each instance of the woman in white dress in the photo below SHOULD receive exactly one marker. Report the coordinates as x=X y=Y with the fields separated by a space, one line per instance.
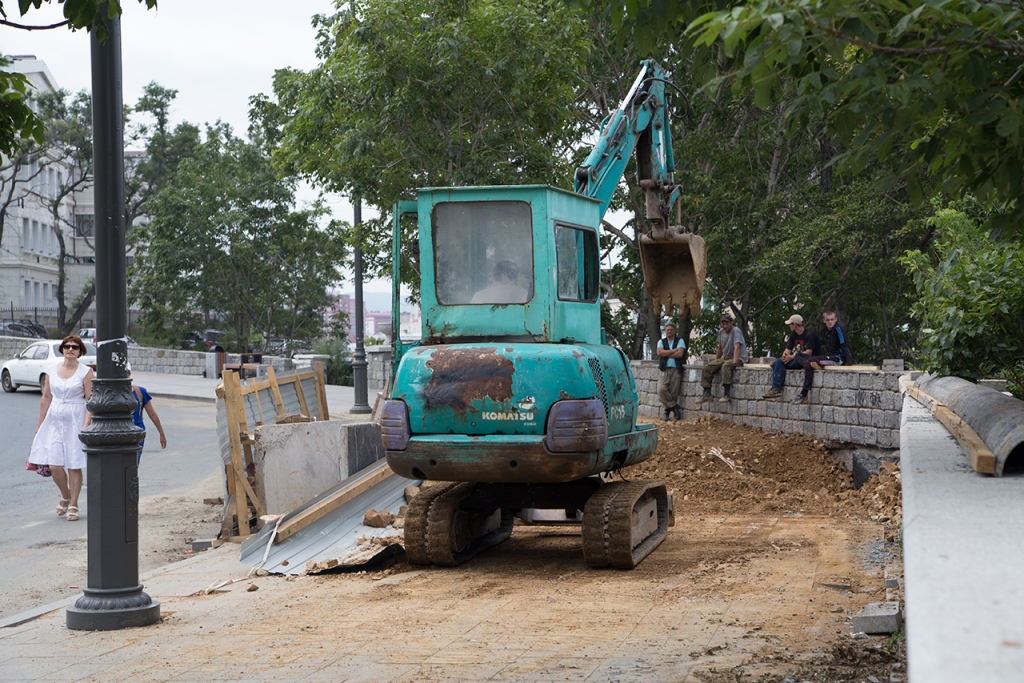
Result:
x=62 y=415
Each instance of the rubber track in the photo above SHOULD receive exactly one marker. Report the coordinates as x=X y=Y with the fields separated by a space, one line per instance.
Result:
x=595 y=525
x=416 y=522
x=608 y=539
x=439 y=545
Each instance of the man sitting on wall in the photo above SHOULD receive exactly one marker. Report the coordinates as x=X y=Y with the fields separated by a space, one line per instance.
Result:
x=801 y=345
x=732 y=353
x=670 y=362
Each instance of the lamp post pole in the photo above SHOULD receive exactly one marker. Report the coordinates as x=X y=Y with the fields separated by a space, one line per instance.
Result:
x=361 y=405
x=113 y=599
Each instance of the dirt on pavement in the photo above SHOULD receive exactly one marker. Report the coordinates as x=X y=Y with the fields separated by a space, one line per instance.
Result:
x=768 y=560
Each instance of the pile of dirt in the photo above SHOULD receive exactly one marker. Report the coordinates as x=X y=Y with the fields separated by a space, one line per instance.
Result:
x=770 y=473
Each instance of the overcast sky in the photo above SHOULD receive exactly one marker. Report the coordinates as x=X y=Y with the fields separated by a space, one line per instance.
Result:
x=215 y=53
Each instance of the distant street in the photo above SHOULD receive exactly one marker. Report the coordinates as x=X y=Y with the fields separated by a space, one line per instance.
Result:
x=42 y=554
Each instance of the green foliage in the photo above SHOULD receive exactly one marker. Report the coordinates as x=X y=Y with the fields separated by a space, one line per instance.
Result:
x=970 y=302
x=338 y=369
x=17 y=121
x=223 y=237
x=943 y=78
x=421 y=93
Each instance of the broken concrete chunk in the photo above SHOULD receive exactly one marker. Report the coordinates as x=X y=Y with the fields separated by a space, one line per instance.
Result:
x=378 y=520
x=252 y=587
x=879 y=617
x=410 y=493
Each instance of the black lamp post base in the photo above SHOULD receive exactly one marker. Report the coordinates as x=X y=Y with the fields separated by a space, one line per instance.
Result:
x=112 y=609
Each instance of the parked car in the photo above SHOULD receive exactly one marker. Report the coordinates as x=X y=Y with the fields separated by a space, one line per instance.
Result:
x=19 y=329
x=88 y=334
x=197 y=341
x=28 y=368
x=39 y=328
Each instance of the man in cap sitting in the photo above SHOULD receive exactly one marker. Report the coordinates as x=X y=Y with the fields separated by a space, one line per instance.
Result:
x=732 y=353
x=801 y=346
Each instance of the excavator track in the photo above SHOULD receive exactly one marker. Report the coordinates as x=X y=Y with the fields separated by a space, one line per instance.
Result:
x=624 y=522
x=455 y=535
x=416 y=522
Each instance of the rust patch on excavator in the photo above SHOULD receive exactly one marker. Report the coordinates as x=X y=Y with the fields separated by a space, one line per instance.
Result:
x=462 y=375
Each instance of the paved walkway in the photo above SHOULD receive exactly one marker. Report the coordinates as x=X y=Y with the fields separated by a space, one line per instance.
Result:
x=198 y=388
x=962 y=559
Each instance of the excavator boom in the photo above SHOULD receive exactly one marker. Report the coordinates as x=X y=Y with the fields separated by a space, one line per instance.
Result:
x=673 y=258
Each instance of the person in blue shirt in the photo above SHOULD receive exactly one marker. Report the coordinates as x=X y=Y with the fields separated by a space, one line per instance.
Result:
x=671 y=352
x=143 y=401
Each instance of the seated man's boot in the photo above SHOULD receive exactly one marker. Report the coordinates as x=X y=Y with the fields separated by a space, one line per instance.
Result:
x=725 y=393
x=706 y=396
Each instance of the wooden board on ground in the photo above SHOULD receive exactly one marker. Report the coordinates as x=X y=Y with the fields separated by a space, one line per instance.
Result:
x=346 y=491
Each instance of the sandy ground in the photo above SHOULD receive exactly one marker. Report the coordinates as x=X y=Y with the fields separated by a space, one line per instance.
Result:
x=768 y=560
x=755 y=582
x=167 y=526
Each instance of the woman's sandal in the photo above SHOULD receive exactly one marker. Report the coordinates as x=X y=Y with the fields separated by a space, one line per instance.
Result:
x=72 y=514
x=62 y=506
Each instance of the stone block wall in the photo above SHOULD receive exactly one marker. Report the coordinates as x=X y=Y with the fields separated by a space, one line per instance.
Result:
x=146 y=359
x=847 y=407
x=378 y=369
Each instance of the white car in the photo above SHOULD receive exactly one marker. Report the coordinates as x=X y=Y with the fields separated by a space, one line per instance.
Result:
x=28 y=368
x=88 y=335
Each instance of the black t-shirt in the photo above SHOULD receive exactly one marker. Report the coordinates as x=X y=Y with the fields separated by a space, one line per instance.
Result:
x=798 y=343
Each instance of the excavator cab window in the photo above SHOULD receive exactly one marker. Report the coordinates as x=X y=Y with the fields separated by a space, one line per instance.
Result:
x=576 y=250
x=483 y=252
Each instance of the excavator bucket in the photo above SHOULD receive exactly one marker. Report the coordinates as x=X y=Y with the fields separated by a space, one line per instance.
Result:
x=674 y=265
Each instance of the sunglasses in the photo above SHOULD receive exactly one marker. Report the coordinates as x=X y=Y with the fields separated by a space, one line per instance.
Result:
x=73 y=347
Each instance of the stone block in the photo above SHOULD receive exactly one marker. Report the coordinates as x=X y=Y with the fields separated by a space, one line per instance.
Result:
x=774 y=407
x=799 y=412
x=847 y=398
x=838 y=432
x=820 y=430
x=892 y=382
x=828 y=380
x=814 y=412
x=879 y=617
x=827 y=413
x=884 y=438
x=864 y=417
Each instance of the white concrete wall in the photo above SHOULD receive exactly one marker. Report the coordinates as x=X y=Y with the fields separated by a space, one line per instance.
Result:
x=297 y=462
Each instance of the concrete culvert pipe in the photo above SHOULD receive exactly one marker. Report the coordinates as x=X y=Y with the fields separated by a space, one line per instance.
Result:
x=997 y=418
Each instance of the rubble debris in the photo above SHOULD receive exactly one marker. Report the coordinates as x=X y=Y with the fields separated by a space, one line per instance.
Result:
x=378 y=520
x=410 y=492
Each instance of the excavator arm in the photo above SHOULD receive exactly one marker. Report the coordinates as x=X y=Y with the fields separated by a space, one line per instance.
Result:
x=673 y=258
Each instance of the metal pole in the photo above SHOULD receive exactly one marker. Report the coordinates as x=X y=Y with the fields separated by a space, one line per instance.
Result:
x=114 y=598
x=361 y=405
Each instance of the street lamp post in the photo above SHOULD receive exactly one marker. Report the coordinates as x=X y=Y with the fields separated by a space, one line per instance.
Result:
x=361 y=405
x=113 y=598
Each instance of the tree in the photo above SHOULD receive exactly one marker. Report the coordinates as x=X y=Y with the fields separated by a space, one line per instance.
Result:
x=223 y=237
x=17 y=120
x=420 y=93
x=970 y=302
x=942 y=77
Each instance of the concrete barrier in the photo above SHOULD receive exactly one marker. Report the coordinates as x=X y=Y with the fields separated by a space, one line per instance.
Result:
x=297 y=462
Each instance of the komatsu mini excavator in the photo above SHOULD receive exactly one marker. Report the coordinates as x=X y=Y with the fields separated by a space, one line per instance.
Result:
x=511 y=398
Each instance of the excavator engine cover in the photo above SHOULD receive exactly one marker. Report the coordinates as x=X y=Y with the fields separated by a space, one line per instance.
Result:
x=674 y=265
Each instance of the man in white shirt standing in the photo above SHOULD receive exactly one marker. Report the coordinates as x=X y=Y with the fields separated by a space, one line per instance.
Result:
x=670 y=363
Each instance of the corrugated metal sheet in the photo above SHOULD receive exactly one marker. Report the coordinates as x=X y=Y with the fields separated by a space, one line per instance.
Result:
x=336 y=535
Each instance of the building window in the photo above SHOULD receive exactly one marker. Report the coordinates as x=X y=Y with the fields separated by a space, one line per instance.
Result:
x=85 y=225
x=53 y=186
x=35 y=236
x=46 y=295
x=35 y=288
x=28 y=294
x=24 y=233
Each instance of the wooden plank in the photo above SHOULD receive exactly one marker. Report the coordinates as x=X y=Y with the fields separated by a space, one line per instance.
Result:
x=231 y=400
x=258 y=406
x=856 y=368
x=982 y=458
x=376 y=474
x=321 y=392
x=276 y=390
x=298 y=392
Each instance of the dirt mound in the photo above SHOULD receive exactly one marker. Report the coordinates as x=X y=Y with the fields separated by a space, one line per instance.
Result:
x=770 y=473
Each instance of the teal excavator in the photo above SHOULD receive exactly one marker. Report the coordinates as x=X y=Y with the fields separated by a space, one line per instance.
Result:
x=512 y=401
